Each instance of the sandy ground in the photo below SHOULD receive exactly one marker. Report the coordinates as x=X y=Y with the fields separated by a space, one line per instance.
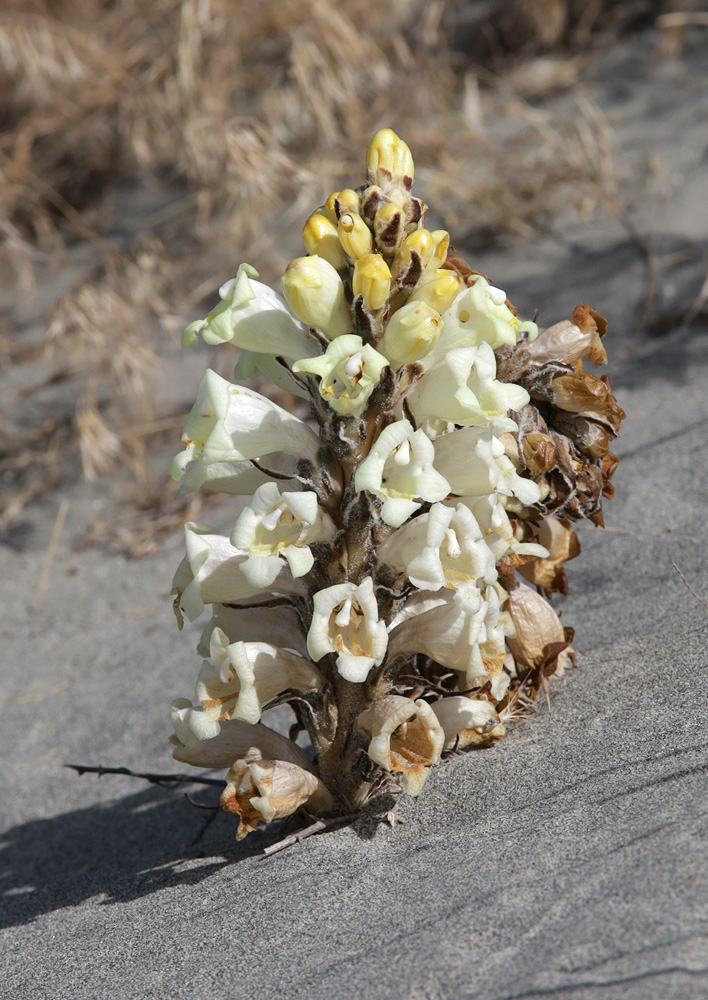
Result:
x=567 y=862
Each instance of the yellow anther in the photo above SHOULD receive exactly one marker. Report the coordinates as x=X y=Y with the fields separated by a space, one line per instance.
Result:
x=372 y=280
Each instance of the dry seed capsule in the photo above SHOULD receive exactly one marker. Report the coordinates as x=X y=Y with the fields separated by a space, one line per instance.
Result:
x=388 y=226
x=438 y=289
x=320 y=237
x=315 y=294
x=389 y=161
x=354 y=235
x=372 y=280
x=410 y=334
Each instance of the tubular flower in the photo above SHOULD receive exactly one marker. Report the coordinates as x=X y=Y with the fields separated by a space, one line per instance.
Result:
x=399 y=470
x=346 y=621
x=349 y=371
x=370 y=583
x=277 y=528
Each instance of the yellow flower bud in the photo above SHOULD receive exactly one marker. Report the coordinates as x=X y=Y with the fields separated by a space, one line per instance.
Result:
x=388 y=226
x=437 y=289
x=315 y=294
x=341 y=202
x=421 y=242
x=320 y=237
x=372 y=280
x=441 y=241
x=410 y=334
x=329 y=207
x=354 y=235
x=389 y=161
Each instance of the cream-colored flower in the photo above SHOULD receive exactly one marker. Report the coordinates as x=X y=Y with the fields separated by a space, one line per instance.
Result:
x=475 y=463
x=232 y=739
x=229 y=423
x=346 y=621
x=406 y=738
x=247 y=623
x=262 y=790
x=443 y=548
x=252 y=316
x=242 y=676
x=468 y=641
x=491 y=516
x=211 y=572
x=468 y=722
x=399 y=470
x=349 y=371
x=478 y=315
x=315 y=294
x=463 y=389
x=389 y=162
x=279 y=527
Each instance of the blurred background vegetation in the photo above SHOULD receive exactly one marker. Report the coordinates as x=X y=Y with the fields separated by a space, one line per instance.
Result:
x=147 y=148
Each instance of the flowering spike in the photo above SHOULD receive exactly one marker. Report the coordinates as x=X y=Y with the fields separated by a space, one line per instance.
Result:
x=371 y=580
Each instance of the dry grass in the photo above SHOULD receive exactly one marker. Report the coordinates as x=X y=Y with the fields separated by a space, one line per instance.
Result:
x=242 y=116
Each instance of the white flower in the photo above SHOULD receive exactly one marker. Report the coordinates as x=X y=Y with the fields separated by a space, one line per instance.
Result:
x=493 y=520
x=315 y=293
x=399 y=470
x=406 y=737
x=349 y=372
x=233 y=739
x=278 y=527
x=475 y=464
x=463 y=389
x=229 y=423
x=346 y=622
x=261 y=790
x=477 y=315
x=469 y=642
x=252 y=316
x=443 y=548
x=211 y=572
x=279 y=622
x=467 y=721
x=241 y=676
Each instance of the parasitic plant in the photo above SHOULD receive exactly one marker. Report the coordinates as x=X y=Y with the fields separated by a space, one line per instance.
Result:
x=386 y=579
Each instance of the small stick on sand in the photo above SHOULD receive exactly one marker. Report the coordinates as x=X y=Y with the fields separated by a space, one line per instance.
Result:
x=697 y=596
x=155 y=779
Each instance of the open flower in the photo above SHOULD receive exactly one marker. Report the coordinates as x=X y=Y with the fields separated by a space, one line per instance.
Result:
x=279 y=527
x=468 y=722
x=485 y=467
x=251 y=315
x=463 y=389
x=479 y=314
x=212 y=572
x=443 y=548
x=406 y=737
x=349 y=371
x=468 y=641
x=346 y=622
x=399 y=470
x=229 y=423
x=261 y=790
x=241 y=676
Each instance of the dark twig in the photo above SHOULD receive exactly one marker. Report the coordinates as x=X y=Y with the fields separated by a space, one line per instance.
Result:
x=165 y=780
